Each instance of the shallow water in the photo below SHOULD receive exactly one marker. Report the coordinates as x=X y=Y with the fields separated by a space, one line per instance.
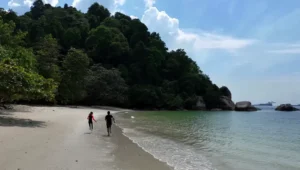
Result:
x=266 y=139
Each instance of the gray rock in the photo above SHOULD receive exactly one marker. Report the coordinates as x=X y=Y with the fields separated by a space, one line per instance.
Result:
x=226 y=103
x=286 y=107
x=200 y=105
x=245 y=106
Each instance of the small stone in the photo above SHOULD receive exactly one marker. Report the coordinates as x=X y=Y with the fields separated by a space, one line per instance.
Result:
x=76 y=160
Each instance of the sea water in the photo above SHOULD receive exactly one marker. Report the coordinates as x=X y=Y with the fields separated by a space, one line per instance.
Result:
x=262 y=140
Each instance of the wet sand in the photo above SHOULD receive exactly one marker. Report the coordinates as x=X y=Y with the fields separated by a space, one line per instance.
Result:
x=129 y=156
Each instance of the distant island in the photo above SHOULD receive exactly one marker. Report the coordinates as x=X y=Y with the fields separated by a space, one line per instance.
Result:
x=266 y=104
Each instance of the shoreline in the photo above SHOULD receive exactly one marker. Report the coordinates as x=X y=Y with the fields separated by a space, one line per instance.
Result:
x=130 y=156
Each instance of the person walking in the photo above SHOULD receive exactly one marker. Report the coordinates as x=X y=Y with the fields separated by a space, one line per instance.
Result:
x=109 y=119
x=90 y=120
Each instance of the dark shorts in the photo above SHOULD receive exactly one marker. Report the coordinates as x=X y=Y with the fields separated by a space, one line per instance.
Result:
x=108 y=125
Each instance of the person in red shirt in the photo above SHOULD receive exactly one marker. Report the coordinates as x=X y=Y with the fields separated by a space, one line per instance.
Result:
x=90 y=119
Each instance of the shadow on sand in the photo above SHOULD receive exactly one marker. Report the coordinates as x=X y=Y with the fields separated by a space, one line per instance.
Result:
x=4 y=113
x=11 y=121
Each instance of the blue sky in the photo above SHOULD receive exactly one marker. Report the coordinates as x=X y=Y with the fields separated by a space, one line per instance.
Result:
x=251 y=46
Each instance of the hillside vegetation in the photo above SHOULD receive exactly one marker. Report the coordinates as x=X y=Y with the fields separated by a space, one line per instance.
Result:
x=61 y=55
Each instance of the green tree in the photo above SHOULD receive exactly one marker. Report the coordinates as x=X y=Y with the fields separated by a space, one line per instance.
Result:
x=106 y=87
x=9 y=15
x=112 y=22
x=139 y=32
x=24 y=57
x=17 y=83
x=37 y=9
x=144 y=97
x=8 y=37
x=75 y=69
x=96 y=14
x=47 y=52
x=72 y=38
x=107 y=45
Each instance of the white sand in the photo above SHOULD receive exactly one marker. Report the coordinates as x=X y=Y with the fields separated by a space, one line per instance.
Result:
x=59 y=142
x=58 y=138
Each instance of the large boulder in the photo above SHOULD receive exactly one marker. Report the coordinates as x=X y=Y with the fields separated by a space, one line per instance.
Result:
x=225 y=92
x=200 y=104
x=226 y=103
x=245 y=106
x=286 y=107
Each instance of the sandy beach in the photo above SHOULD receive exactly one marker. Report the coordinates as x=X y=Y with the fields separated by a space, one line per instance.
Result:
x=58 y=138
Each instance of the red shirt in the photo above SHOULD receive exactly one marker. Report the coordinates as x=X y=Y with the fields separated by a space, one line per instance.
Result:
x=91 y=117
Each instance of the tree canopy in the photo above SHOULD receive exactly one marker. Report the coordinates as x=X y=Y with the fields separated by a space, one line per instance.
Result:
x=59 y=54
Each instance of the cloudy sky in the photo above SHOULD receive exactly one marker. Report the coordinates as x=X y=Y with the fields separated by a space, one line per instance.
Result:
x=251 y=46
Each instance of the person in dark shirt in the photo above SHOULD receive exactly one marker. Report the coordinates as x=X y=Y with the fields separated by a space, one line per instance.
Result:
x=90 y=119
x=109 y=118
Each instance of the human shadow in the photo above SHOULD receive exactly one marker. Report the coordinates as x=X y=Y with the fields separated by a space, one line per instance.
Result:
x=2 y=113
x=11 y=122
x=9 y=110
x=88 y=133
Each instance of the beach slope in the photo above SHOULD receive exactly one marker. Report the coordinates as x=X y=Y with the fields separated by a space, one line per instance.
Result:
x=58 y=138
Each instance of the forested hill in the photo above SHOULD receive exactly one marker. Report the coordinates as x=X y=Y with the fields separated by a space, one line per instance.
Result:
x=61 y=55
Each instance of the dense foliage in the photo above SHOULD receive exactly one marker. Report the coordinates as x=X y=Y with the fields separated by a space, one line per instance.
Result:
x=95 y=58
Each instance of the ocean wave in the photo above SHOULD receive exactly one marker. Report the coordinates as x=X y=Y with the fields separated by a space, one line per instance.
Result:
x=178 y=156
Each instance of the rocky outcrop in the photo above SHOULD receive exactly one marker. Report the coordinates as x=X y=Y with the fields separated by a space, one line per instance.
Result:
x=245 y=106
x=200 y=104
x=226 y=103
x=286 y=107
x=225 y=92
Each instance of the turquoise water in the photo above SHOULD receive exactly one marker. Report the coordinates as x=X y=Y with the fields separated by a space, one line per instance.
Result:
x=263 y=140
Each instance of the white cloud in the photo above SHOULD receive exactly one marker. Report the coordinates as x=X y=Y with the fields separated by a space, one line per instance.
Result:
x=207 y=40
x=19 y=6
x=285 y=48
x=11 y=4
x=203 y=45
x=193 y=43
x=28 y=2
x=112 y=5
x=22 y=6
x=133 y=17
x=119 y=2
x=52 y=2
x=285 y=51
x=149 y=3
